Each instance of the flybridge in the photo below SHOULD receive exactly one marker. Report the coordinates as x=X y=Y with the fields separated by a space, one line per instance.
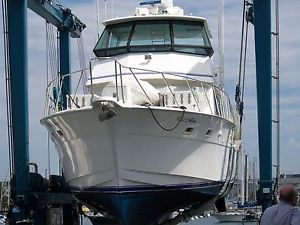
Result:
x=158 y=7
x=168 y=3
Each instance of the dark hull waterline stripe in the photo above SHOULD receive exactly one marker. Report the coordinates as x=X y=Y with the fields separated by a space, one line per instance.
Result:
x=145 y=188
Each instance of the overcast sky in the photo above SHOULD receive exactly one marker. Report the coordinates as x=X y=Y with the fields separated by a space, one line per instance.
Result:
x=86 y=11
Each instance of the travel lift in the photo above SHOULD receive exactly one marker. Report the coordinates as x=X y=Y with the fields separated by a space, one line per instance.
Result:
x=34 y=200
x=259 y=14
x=263 y=52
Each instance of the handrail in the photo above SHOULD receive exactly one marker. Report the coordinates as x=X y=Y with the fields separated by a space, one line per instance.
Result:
x=220 y=108
x=50 y=84
x=159 y=72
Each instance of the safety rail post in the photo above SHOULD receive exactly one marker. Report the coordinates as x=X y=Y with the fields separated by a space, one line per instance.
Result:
x=59 y=104
x=218 y=107
x=208 y=101
x=18 y=48
x=192 y=92
x=47 y=101
x=91 y=78
x=121 y=79
x=173 y=95
x=116 y=80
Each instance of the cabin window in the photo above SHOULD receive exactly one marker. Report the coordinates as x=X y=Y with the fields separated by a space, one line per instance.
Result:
x=189 y=34
x=191 y=38
x=115 y=36
x=154 y=36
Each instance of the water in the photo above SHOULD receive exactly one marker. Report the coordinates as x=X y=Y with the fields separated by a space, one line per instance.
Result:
x=203 y=221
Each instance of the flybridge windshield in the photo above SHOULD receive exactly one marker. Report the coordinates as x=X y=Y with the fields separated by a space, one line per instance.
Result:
x=154 y=36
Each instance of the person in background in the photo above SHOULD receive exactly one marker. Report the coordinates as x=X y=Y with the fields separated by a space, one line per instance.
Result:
x=284 y=213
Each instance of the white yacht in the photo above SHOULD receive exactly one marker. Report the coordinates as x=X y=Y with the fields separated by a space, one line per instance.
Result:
x=156 y=133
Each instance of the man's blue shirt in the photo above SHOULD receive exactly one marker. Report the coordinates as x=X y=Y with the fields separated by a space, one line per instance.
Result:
x=281 y=214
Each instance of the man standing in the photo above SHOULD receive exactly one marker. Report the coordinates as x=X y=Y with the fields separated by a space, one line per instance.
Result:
x=285 y=213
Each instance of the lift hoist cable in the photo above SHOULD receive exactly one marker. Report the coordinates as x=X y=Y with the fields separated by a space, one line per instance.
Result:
x=48 y=57
x=10 y=133
x=240 y=87
x=52 y=61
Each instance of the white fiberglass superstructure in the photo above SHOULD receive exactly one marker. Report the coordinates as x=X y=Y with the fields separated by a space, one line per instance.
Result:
x=156 y=133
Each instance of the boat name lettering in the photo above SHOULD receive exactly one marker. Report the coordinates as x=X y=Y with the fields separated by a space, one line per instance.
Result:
x=186 y=120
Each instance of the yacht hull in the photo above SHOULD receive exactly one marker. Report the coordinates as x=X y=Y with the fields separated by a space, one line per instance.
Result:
x=136 y=207
x=127 y=165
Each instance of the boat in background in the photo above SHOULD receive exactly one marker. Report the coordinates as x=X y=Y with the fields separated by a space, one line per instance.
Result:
x=234 y=216
x=157 y=134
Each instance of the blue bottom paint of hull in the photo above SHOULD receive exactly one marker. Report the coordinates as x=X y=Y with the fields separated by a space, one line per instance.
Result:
x=146 y=207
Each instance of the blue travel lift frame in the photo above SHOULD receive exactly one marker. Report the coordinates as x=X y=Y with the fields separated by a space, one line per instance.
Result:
x=68 y=25
x=263 y=50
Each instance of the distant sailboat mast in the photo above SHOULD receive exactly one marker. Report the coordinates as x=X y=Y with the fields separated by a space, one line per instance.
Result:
x=105 y=10
x=112 y=9
x=221 y=40
x=98 y=18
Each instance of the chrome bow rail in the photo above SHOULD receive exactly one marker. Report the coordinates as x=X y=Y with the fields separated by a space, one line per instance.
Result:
x=205 y=97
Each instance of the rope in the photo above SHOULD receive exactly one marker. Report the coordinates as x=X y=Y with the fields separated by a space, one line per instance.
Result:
x=161 y=126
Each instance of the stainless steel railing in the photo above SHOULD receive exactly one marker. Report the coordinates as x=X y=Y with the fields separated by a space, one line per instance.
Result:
x=212 y=97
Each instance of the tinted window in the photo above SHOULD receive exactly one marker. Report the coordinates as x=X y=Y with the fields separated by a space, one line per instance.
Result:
x=186 y=33
x=115 y=36
x=151 y=34
x=154 y=36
